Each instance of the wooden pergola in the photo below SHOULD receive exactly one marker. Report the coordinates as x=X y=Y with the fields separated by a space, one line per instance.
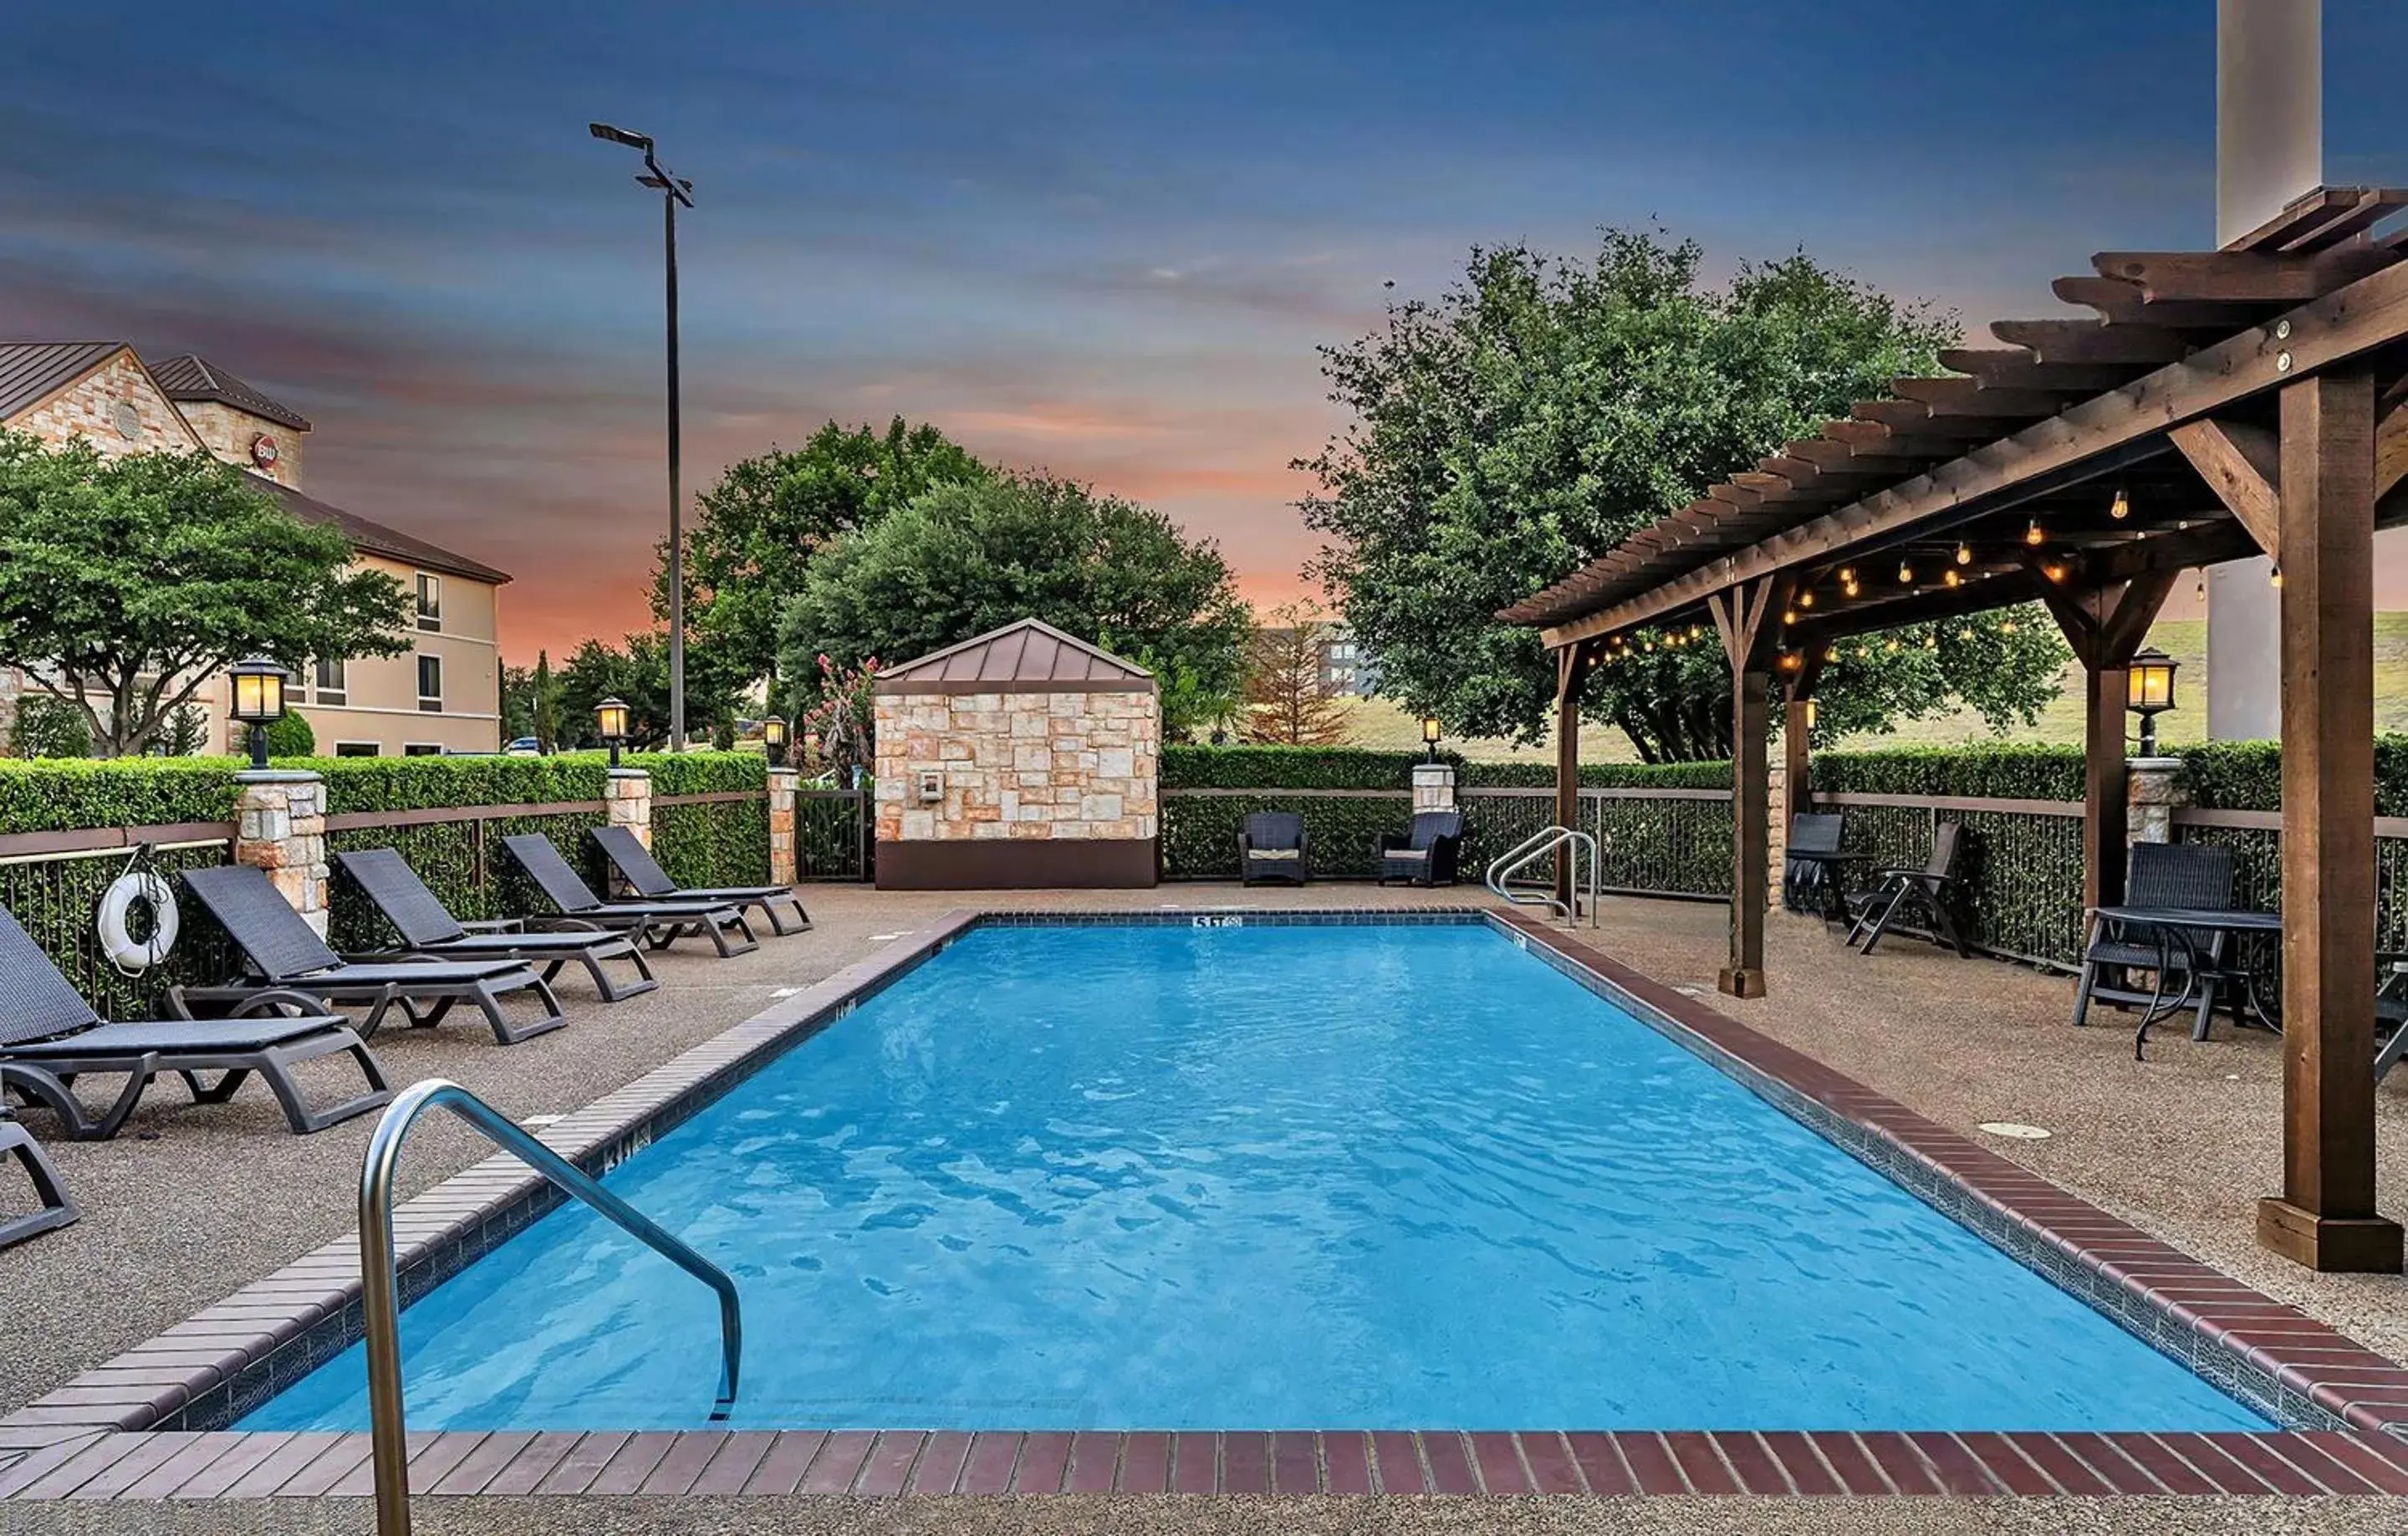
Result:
x=2217 y=406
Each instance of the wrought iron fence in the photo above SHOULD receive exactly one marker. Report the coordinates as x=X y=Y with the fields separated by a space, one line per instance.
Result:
x=1674 y=842
x=458 y=852
x=833 y=837
x=1341 y=826
x=56 y=897
x=2020 y=862
x=2256 y=838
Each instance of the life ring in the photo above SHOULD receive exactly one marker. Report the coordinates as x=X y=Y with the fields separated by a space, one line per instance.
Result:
x=116 y=940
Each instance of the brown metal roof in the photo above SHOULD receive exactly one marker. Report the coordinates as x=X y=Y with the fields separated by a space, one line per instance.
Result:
x=1028 y=657
x=191 y=377
x=33 y=371
x=375 y=537
x=2152 y=310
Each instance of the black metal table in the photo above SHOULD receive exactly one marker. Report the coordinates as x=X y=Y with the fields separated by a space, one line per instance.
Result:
x=2174 y=928
x=1835 y=901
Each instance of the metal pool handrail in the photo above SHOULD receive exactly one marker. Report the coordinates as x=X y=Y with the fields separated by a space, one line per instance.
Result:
x=1537 y=846
x=380 y=1283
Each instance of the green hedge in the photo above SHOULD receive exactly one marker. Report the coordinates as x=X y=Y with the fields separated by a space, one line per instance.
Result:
x=2249 y=775
x=58 y=795
x=1364 y=767
x=2004 y=772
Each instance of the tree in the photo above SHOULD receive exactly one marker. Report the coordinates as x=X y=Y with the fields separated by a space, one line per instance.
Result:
x=126 y=583
x=543 y=704
x=290 y=735
x=1288 y=699
x=965 y=558
x=518 y=702
x=185 y=733
x=756 y=531
x=49 y=728
x=636 y=674
x=1539 y=413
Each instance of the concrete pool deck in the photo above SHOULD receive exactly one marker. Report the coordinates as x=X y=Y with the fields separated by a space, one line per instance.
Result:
x=2173 y=1131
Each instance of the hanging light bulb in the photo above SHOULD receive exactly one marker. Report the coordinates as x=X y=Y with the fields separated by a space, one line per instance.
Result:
x=1931 y=642
x=2274 y=577
x=1905 y=573
x=2008 y=628
x=1805 y=600
x=1964 y=554
x=2121 y=507
x=1832 y=655
x=1952 y=578
x=1966 y=633
x=2202 y=584
x=1847 y=576
x=2054 y=571
x=2033 y=534
x=1788 y=615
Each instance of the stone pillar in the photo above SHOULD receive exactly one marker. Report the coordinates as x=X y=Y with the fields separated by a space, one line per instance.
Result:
x=2152 y=792
x=783 y=782
x=1776 y=832
x=280 y=826
x=1433 y=787
x=629 y=802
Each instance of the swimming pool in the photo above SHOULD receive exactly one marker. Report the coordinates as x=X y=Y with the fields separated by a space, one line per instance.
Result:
x=1276 y=1176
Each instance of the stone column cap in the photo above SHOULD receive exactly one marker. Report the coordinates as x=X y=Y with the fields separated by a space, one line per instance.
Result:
x=630 y=773
x=277 y=776
x=2156 y=765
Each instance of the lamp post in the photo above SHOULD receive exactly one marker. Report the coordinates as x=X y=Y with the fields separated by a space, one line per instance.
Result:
x=773 y=737
x=674 y=190
x=611 y=723
x=1430 y=733
x=1810 y=714
x=258 y=701
x=2149 y=692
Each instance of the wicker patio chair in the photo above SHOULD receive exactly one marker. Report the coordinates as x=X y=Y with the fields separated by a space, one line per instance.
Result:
x=427 y=928
x=659 y=924
x=1273 y=846
x=53 y=1208
x=1427 y=855
x=2193 y=875
x=651 y=883
x=1931 y=892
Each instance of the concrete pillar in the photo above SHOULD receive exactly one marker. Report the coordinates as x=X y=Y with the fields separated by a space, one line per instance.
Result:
x=2152 y=792
x=280 y=826
x=783 y=783
x=1433 y=787
x=628 y=802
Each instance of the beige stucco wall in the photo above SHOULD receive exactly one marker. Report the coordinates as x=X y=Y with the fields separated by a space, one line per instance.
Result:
x=1071 y=765
x=87 y=408
x=229 y=432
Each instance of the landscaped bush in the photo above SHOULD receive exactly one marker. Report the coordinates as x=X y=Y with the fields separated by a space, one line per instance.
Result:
x=1365 y=767
x=2001 y=772
x=65 y=794
x=49 y=728
x=289 y=736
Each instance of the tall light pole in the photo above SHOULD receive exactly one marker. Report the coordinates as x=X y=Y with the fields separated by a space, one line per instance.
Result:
x=674 y=190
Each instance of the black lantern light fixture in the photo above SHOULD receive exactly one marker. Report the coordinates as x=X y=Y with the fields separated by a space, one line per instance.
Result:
x=773 y=737
x=2149 y=692
x=1431 y=731
x=611 y=723
x=258 y=701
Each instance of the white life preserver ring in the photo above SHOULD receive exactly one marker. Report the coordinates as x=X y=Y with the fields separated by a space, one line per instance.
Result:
x=116 y=935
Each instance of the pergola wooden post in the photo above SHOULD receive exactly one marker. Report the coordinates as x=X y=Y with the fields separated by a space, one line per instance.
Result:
x=2105 y=625
x=1742 y=616
x=1571 y=674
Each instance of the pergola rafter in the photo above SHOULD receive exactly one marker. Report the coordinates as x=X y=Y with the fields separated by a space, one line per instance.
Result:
x=2216 y=406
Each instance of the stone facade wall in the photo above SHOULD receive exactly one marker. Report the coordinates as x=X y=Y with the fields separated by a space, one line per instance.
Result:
x=1031 y=765
x=280 y=819
x=88 y=408
x=229 y=432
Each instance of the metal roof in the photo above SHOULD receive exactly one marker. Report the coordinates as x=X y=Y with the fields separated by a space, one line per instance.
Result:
x=376 y=539
x=1028 y=657
x=189 y=376
x=33 y=371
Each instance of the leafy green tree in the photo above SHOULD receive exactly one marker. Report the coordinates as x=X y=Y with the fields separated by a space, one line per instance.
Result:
x=186 y=732
x=637 y=674
x=49 y=728
x=125 y=583
x=756 y=531
x=543 y=704
x=518 y=702
x=291 y=735
x=965 y=558
x=1541 y=411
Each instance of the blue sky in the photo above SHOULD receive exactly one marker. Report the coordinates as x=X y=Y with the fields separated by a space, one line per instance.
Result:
x=1101 y=239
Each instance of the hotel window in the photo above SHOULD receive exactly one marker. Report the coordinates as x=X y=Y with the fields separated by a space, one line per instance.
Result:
x=422 y=749
x=430 y=684
x=430 y=602
x=332 y=683
x=357 y=749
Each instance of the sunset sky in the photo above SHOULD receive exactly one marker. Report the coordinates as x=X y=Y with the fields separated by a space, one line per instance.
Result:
x=1100 y=239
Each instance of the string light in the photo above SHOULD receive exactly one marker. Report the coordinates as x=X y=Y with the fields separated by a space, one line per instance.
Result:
x=2033 y=534
x=1905 y=573
x=2121 y=507
x=2008 y=628
x=1832 y=655
x=1966 y=633
x=1805 y=600
x=1964 y=554
x=2202 y=584
x=1892 y=645
x=1931 y=642
x=1788 y=615
x=2054 y=571
x=1847 y=576
x=2275 y=577
x=1952 y=578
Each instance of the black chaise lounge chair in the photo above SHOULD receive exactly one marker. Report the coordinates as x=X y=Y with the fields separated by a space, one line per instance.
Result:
x=1273 y=847
x=285 y=954
x=49 y=1037
x=1931 y=892
x=659 y=924
x=2195 y=876
x=1427 y=855
x=427 y=928
x=53 y=1208
x=651 y=883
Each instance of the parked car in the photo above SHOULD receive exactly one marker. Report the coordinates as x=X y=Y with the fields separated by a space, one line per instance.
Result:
x=524 y=746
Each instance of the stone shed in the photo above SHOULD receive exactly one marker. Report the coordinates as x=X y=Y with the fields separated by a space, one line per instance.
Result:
x=1024 y=757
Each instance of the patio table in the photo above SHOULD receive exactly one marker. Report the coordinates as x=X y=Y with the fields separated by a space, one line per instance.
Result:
x=2174 y=928
x=1830 y=863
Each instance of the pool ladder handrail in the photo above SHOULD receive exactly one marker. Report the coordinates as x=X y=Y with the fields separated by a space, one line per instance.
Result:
x=1537 y=846
x=381 y=1281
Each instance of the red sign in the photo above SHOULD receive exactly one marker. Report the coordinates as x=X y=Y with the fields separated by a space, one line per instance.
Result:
x=263 y=451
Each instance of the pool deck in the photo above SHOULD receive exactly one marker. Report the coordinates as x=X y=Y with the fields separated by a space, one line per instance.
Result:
x=2179 y=1147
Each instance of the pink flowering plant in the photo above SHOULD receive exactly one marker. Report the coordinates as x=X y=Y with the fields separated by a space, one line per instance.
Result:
x=838 y=730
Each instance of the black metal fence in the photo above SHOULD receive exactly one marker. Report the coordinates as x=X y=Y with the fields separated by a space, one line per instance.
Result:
x=56 y=897
x=833 y=835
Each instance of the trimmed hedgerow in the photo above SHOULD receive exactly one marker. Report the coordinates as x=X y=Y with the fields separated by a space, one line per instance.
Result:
x=2004 y=771
x=1365 y=767
x=57 y=795
x=2249 y=775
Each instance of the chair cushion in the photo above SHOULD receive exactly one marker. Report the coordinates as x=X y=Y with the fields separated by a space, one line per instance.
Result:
x=187 y=1037
x=1415 y=854
x=1275 y=853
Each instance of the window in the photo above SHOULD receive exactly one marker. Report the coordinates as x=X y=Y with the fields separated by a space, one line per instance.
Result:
x=332 y=681
x=358 y=748
x=430 y=604
x=430 y=684
x=422 y=749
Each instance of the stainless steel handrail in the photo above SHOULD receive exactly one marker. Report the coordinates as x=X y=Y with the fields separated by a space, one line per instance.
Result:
x=1537 y=846
x=380 y=1282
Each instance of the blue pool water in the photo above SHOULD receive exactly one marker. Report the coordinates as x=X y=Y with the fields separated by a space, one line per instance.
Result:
x=1269 y=1177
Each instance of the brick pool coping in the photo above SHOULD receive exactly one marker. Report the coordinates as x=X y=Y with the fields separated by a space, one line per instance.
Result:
x=147 y=1425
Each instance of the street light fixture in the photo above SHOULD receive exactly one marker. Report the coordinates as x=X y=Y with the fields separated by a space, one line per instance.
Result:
x=773 y=736
x=611 y=723
x=258 y=701
x=1430 y=733
x=2149 y=692
x=675 y=191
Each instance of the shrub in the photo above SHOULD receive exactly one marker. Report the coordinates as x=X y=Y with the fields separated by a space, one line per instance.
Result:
x=64 y=795
x=290 y=736
x=1366 y=767
x=2004 y=771
x=49 y=728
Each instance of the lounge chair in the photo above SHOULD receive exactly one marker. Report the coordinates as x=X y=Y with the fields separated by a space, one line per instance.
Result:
x=2390 y=1010
x=427 y=928
x=49 y=1037
x=54 y=1208
x=651 y=883
x=2193 y=875
x=286 y=955
x=659 y=924
x=1931 y=891
x=1804 y=882
x=1427 y=855
x=1273 y=847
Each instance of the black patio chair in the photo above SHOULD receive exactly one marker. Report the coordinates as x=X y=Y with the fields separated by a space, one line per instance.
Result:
x=2390 y=1010
x=427 y=928
x=1803 y=881
x=53 y=1208
x=49 y=1037
x=1427 y=855
x=659 y=924
x=651 y=883
x=285 y=955
x=2193 y=875
x=1273 y=846
x=1930 y=891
